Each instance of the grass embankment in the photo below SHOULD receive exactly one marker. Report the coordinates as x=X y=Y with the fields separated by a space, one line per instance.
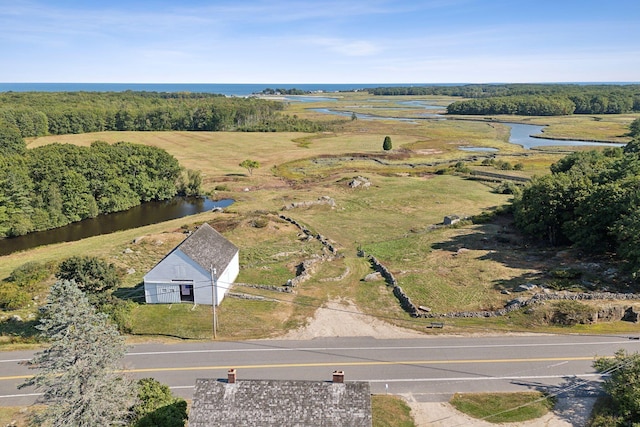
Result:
x=447 y=269
x=503 y=407
x=390 y=411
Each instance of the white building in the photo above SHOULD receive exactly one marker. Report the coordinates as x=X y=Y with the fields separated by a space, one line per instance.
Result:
x=204 y=261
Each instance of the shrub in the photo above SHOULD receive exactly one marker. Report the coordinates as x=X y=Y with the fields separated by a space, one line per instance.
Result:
x=569 y=313
x=12 y=297
x=505 y=166
x=91 y=274
x=120 y=313
x=157 y=407
x=507 y=187
x=260 y=222
x=30 y=273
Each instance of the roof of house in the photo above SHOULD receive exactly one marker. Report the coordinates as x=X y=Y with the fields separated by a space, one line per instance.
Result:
x=208 y=248
x=280 y=403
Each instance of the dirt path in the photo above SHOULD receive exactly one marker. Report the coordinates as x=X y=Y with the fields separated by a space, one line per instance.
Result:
x=341 y=318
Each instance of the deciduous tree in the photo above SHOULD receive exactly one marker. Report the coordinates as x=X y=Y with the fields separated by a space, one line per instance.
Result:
x=621 y=383
x=250 y=165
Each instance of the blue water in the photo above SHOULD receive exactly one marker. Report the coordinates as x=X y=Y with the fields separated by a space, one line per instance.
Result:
x=223 y=89
x=521 y=135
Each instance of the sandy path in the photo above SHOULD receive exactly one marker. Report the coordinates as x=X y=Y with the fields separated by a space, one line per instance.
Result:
x=342 y=318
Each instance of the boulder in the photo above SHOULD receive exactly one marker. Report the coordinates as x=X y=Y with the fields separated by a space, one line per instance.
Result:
x=373 y=277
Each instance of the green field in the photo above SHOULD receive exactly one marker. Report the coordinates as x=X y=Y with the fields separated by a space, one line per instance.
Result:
x=397 y=218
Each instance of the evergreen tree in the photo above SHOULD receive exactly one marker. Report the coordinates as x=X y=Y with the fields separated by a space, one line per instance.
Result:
x=386 y=145
x=78 y=374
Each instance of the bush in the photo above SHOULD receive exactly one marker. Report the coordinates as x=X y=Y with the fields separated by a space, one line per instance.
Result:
x=508 y=187
x=505 y=166
x=461 y=167
x=157 y=407
x=91 y=274
x=120 y=313
x=30 y=273
x=12 y=297
x=260 y=222
x=569 y=313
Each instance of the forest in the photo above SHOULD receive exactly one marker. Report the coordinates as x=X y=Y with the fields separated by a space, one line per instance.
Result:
x=590 y=200
x=57 y=184
x=531 y=99
x=54 y=185
x=60 y=113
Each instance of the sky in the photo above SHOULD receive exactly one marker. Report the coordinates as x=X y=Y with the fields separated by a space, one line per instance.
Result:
x=319 y=41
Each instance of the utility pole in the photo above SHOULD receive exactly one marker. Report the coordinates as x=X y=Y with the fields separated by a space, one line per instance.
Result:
x=214 y=299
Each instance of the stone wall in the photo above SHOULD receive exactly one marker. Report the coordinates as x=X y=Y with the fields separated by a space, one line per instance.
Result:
x=306 y=268
x=404 y=300
x=324 y=200
x=516 y=304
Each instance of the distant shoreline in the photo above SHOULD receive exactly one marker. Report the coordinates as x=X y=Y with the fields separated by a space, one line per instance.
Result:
x=232 y=89
x=222 y=89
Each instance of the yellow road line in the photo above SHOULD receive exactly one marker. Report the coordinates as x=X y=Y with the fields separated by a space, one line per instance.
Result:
x=334 y=364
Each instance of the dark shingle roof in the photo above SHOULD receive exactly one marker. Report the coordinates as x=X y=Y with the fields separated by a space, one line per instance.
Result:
x=280 y=403
x=208 y=248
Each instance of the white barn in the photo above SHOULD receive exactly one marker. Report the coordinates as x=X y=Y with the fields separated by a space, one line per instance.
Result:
x=204 y=261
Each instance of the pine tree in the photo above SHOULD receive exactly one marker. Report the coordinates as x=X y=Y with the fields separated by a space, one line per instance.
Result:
x=79 y=377
x=386 y=145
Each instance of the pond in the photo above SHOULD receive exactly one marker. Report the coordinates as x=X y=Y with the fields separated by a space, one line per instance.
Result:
x=138 y=216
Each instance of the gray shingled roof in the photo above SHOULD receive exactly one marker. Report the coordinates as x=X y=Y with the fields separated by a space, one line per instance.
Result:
x=208 y=248
x=280 y=403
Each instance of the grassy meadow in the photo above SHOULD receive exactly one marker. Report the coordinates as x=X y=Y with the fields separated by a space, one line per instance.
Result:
x=397 y=218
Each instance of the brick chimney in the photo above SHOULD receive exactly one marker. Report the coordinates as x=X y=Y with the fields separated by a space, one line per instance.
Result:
x=231 y=376
x=338 y=376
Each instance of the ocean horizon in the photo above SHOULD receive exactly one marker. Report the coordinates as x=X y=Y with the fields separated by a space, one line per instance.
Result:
x=229 y=89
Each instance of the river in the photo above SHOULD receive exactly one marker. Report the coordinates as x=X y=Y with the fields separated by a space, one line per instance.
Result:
x=520 y=133
x=138 y=216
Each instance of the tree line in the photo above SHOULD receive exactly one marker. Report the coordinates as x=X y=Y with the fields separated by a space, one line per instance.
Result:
x=531 y=99
x=54 y=185
x=591 y=200
x=59 y=113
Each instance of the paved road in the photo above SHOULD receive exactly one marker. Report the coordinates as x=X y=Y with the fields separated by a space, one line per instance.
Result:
x=429 y=369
